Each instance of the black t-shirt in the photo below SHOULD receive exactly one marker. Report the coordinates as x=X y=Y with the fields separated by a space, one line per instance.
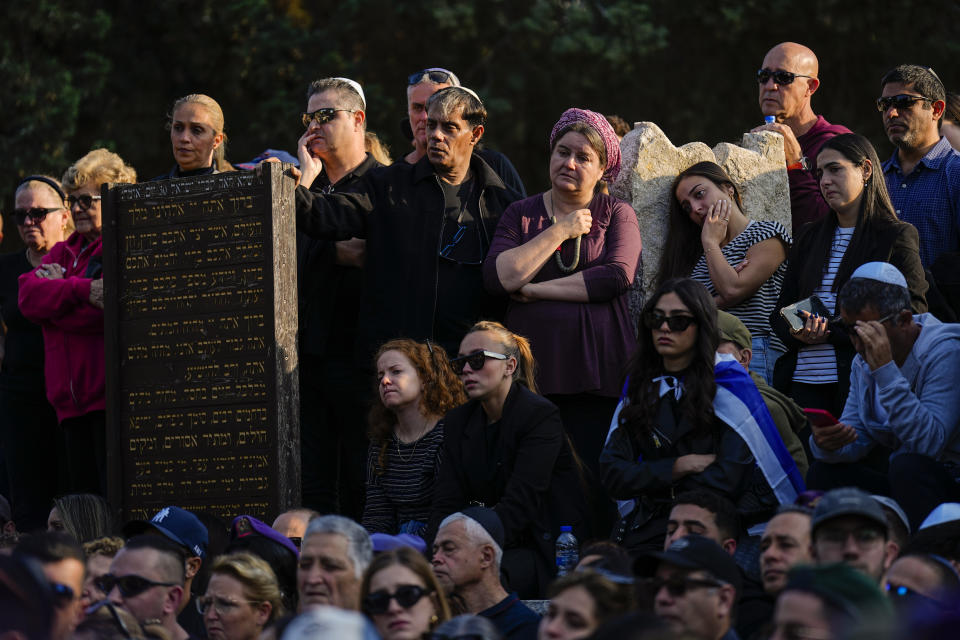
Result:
x=22 y=368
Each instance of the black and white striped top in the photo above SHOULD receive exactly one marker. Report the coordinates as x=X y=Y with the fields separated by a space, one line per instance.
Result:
x=399 y=499
x=754 y=312
x=817 y=363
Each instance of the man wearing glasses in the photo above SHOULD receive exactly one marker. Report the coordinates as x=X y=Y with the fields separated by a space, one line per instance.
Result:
x=788 y=80
x=333 y=387
x=923 y=174
x=62 y=562
x=146 y=578
x=695 y=588
x=903 y=399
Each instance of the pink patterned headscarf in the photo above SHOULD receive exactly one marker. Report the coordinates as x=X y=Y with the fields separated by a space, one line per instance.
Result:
x=601 y=126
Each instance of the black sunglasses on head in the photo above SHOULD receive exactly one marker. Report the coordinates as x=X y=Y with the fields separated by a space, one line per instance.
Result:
x=435 y=75
x=406 y=596
x=654 y=320
x=85 y=201
x=129 y=586
x=476 y=360
x=320 y=116
x=779 y=77
x=900 y=102
x=37 y=214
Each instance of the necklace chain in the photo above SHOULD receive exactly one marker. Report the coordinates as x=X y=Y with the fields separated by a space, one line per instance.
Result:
x=416 y=442
x=576 y=246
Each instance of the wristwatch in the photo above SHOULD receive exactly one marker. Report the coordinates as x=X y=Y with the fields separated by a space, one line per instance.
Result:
x=802 y=163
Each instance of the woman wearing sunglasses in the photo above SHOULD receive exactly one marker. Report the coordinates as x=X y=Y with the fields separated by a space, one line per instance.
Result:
x=64 y=295
x=242 y=597
x=401 y=596
x=197 y=137
x=416 y=387
x=41 y=216
x=740 y=261
x=567 y=258
x=506 y=449
x=689 y=420
x=860 y=227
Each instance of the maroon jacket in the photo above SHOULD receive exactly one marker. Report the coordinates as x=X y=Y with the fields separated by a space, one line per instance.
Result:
x=72 y=327
x=806 y=201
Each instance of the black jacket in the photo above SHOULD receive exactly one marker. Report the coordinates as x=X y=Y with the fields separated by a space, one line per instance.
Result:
x=399 y=210
x=531 y=479
x=898 y=244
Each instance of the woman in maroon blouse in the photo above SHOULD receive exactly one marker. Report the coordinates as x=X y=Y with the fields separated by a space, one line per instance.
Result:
x=567 y=258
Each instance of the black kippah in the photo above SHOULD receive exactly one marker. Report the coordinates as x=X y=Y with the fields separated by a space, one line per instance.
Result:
x=45 y=180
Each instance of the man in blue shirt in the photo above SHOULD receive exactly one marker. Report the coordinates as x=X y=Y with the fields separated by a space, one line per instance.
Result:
x=923 y=175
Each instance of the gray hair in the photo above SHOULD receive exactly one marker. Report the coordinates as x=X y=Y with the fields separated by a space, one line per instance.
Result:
x=886 y=298
x=359 y=547
x=469 y=625
x=476 y=534
x=451 y=99
x=346 y=89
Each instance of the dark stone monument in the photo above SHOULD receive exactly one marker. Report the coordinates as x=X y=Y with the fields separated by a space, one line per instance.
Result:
x=201 y=344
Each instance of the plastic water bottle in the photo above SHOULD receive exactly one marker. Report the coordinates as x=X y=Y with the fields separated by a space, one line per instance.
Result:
x=568 y=551
x=769 y=119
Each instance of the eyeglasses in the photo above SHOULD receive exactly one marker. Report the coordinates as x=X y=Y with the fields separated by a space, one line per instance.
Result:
x=85 y=201
x=222 y=606
x=864 y=537
x=476 y=360
x=677 y=587
x=850 y=328
x=779 y=77
x=434 y=74
x=406 y=596
x=62 y=594
x=654 y=320
x=900 y=102
x=320 y=116
x=129 y=586
x=37 y=214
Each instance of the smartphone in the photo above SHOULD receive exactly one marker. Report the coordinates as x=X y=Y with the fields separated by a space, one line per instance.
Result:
x=820 y=418
x=813 y=305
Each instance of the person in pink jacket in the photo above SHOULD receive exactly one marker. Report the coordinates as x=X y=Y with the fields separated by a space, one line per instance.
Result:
x=64 y=295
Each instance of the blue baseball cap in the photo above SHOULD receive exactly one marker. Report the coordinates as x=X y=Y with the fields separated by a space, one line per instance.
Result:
x=179 y=525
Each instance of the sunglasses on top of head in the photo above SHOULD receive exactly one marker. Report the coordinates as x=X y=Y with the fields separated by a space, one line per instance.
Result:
x=779 y=77
x=476 y=360
x=406 y=596
x=436 y=75
x=655 y=320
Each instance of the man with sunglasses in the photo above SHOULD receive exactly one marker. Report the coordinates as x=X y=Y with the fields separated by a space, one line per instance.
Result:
x=146 y=578
x=694 y=585
x=61 y=559
x=428 y=227
x=903 y=399
x=333 y=387
x=923 y=174
x=788 y=80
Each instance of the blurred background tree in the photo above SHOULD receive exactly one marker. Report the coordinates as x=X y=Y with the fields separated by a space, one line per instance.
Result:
x=84 y=74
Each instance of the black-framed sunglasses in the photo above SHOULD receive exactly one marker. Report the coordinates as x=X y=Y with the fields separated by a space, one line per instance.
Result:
x=779 y=77
x=112 y=608
x=320 y=116
x=476 y=360
x=900 y=102
x=129 y=586
x=406 y=596
x=654 y=320
x=677 y=587
x=436 y=75
x=85 y=201
x=37 y=214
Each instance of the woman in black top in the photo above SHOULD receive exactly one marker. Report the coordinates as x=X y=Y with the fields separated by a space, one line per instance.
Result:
x=506 y=449
x=197 y=137
x=28 y=423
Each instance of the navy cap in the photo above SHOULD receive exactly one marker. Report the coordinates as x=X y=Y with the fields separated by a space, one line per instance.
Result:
x=848 y=501
x=696 y=553
x=489 y=520
x=178 y=525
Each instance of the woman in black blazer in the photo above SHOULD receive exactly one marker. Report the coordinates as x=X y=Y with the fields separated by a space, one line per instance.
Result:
x=506 y=449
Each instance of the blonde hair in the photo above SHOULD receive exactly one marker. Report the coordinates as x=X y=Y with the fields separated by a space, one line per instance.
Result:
x=513 y=345
x=216 y=120
x=258 y=579
x=377 y=148
x=97 y=167
x=106 y=546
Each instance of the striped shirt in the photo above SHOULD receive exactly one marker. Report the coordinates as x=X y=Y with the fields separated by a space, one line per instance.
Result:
x=817 y=363
x=754 y=312
x=399 y=499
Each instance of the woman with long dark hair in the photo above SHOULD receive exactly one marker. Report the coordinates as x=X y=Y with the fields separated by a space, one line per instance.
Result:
x=740 y=261
x=689 y=420
x=861 y=227
x=416 y=387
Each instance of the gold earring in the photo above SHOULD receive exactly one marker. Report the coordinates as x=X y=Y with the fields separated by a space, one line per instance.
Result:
x=434 y=619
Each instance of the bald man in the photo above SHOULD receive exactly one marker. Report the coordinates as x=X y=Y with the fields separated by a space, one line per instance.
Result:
x=788 y=79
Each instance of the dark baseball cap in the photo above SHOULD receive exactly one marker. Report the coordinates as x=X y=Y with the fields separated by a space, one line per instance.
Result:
x=695 y=553
x=179 y=525
x=848 y=501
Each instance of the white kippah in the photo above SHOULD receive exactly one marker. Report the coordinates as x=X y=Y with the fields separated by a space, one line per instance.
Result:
x=356 y=87
x=881 y=272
